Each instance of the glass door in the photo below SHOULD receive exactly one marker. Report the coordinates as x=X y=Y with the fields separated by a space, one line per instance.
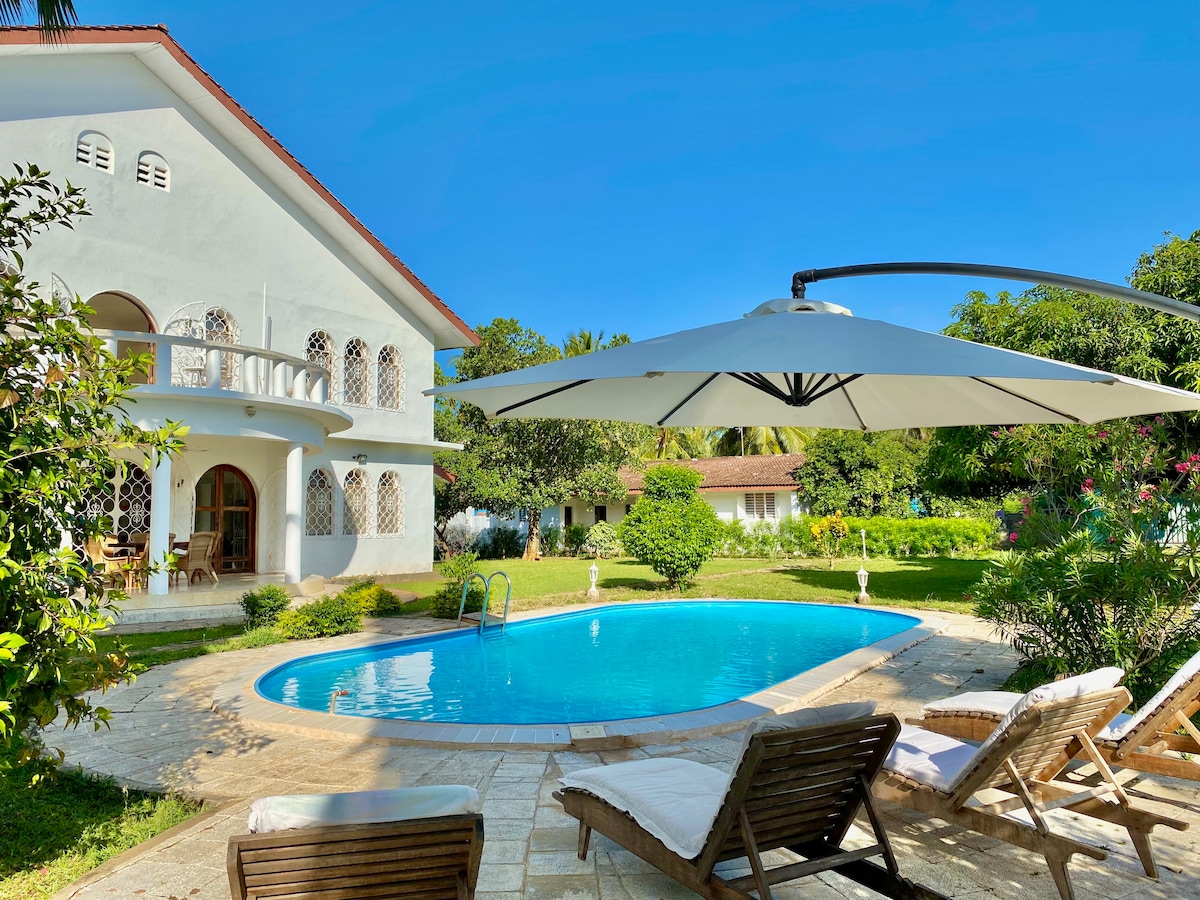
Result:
x=225 y=503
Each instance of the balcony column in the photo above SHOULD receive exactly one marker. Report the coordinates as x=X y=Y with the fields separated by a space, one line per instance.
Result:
x=162 y=362
x=293 y=532
x=160 y=525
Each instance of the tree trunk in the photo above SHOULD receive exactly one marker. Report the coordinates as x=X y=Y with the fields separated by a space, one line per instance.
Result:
x=439 y=541
x=533 y=538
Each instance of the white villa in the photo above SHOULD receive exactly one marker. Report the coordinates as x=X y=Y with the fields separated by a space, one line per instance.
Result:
x=289 y=339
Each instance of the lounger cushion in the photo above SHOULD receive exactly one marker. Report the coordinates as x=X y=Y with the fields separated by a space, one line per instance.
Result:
x=1077 y=686
x=676 y=800
x=813 y=715
x=995 y=703
x=361 y=807
x=1123 y=725
x=929 y=758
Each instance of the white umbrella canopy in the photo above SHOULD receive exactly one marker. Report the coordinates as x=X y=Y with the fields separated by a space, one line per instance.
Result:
x=813 y=364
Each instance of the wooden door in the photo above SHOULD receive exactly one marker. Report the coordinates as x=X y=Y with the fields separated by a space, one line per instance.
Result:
x=225 y=503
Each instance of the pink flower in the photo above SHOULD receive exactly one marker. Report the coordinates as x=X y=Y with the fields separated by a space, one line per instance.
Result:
x=1183 y=467
x=1145 y=495
x=1194 y=458
x=1012 y=537
x=995 y=434
x=1088 y=485
x=1101 y=435
x=1159 y=420
x=1143 y=430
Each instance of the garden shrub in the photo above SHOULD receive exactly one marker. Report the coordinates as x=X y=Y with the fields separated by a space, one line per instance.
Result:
x=499 y=542
x=375 y=600
x=923 y=537
x=457 y=570
x=671 y=528
x=324 y=617
x=828 y=532
x=551 y=541
x=264 y=604
x=573 y=537
x=1105 y=590
x=602 y=541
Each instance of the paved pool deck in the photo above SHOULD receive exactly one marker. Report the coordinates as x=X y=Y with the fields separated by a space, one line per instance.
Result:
x=165 y=735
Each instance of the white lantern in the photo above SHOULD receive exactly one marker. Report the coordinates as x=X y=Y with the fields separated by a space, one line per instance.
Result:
x=862 y=585
x=593 y=574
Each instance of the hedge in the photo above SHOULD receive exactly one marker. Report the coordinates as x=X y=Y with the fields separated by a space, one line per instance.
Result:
x=886 y=536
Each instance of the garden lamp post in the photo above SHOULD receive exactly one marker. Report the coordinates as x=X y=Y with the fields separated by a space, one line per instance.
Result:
x=863 y=597
x=863 y=532
x=593 y=574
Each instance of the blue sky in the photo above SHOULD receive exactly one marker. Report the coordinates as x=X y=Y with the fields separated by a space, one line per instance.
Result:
x=645 y=167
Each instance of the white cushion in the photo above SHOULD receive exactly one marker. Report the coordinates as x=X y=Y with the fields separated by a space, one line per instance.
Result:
x=929 y=758
x=1078 y=686
x=996 y=703
x=361 y=807
x=1120 y=727
x=803 y=718
x=676 y=800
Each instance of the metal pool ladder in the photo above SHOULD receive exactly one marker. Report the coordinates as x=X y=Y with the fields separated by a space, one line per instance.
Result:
x=483 y=615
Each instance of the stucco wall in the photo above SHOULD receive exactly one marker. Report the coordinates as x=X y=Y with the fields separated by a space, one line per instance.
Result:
x=223 y=235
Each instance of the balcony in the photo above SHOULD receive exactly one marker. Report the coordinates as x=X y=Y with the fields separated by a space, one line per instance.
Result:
x=197 y=363
x=228 y=374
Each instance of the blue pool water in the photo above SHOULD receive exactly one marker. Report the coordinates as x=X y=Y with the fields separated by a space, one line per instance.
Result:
x=615 y=662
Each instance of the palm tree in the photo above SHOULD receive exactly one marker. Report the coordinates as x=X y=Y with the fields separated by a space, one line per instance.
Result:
x=763 y=440
x=578 y=342
x=53 y=16
x=680 y=443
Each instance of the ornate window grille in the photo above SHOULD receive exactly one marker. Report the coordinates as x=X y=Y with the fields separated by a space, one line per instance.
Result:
x=133 y=502
x=319 y=349
x=391 y=378
x=356 y=508
x=357 y=363
x=390 y=509
x=318 y=508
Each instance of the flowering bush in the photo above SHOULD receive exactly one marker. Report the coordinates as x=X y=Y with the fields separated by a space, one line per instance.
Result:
x=829 y=532
x=1107 y=565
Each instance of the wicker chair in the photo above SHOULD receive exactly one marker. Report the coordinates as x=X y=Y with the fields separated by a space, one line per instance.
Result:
x=202 y=546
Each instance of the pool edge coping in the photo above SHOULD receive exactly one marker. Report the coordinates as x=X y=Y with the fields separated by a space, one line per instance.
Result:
x=238 y=701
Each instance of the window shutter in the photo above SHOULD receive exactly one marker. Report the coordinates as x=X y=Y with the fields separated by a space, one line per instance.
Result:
x=143 y=171
x=103 y=158
x=769 y=505
x=83 y=152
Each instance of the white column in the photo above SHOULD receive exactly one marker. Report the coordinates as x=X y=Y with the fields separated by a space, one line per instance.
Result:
x=293 y=532
x=160 y=524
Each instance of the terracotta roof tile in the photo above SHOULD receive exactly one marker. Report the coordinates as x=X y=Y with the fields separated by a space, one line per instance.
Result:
x=732 y=473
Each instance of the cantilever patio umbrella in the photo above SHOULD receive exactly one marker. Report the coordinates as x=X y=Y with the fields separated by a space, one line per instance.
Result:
x=803 y=362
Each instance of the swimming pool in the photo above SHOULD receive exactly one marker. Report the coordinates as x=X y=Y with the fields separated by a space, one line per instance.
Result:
x=596 y=665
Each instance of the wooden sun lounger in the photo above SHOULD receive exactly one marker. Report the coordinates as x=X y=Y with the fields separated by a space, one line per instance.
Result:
x=797 y=789
x=1141 y=748
x=435 y=858
x=1022 y=762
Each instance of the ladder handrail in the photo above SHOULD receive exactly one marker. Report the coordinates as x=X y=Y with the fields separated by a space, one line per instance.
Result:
x=507 y=598
x=487 y=594
x=466 y=589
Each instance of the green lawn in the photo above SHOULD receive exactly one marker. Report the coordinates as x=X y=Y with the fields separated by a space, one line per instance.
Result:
x=156 y=648
x=55 y=832
x=920 y=583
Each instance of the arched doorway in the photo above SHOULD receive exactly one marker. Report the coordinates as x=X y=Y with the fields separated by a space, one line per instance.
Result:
x=115 y=311
x=225 y=503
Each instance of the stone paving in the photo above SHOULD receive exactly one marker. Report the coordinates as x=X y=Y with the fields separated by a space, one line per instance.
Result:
x=164 y=735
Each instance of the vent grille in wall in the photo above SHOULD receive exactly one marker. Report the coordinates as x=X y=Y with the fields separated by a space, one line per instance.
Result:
x=153 y=174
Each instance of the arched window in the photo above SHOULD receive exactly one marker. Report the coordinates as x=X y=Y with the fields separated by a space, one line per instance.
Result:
x=319 y=349
x=391 y=378
x=94 y=150
x=390 y=511
x=153 y=170
x=318 y=508
x=357 y=364
x=356 y=508
x=220 y=326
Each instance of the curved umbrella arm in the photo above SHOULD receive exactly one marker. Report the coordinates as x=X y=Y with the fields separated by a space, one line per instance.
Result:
x=1071 y=282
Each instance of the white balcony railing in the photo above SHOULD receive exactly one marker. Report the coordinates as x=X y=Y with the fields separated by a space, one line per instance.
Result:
x=194 y=363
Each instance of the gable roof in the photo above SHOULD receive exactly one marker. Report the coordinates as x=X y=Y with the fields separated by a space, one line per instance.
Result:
x=731 y=473
x=158 y=51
